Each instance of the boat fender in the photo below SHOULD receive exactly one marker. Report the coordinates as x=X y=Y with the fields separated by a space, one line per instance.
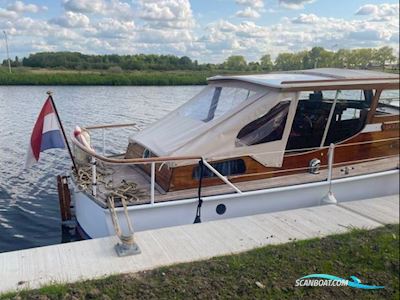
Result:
x=83 y=137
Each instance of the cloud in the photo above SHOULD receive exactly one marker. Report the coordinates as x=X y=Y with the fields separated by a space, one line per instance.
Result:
x=248 y=12
x=294 y=4
x=112 y=28
x=21 y=7
x=371 y=34
x=84 y=6
x=305 y=19
x=7 y=14
x=368 y=9
x=252 y=9
x=154 y=36
x=170 y=27
x=380 y=12
x=71 y=20
x=165 y=10
x=251 y=3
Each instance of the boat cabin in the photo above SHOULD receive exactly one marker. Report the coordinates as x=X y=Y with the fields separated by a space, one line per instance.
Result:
x=248 y=127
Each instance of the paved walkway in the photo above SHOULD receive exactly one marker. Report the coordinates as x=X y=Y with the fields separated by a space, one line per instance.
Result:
x=89 y=259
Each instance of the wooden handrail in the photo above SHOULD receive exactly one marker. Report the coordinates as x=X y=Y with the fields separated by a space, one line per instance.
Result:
x=129 y=160
x=180 y=158
x=104 y=126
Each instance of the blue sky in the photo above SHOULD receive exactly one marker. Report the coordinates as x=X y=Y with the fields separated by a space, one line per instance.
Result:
x=206 y=30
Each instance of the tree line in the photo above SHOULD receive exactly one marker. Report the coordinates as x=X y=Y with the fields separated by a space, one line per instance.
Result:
x=316 y=57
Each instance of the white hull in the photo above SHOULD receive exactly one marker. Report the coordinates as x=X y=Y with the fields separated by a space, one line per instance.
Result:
x=96 y=221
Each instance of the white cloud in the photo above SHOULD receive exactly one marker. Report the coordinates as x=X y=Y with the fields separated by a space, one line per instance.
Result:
x=170 y=13
x=251 y=3
x=305 y=19
x=122 y=10
x=368 y=9
x=112 y=28
x=154 y=36
x=72 y=20
x=169 y=27
x=7 y=14
x=294 y=4
x=381 y=12
x=84 y=6
x=248 y=12
x=21 y=7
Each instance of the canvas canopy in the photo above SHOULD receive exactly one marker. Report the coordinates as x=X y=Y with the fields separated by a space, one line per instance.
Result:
x=209 y=124
x=241 y=115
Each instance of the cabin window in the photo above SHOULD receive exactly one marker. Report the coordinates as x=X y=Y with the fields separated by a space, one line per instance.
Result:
x=214 y=102
x=267 y=128
x=312 y=114
x=388 y=103
x=226 y=168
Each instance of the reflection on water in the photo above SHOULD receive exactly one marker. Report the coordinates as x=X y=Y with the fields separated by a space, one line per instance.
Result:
x=29 y=212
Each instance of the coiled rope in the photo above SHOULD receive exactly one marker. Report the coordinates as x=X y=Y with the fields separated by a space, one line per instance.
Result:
x=127 y=190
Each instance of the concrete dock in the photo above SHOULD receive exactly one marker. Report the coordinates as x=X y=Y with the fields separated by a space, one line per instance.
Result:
x=32 y=268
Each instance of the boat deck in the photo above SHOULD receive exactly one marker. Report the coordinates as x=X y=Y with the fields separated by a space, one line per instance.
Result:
x=123 y=173
x=77 y=261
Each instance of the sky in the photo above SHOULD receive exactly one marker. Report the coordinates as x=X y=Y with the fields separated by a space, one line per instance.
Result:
x=205 y=30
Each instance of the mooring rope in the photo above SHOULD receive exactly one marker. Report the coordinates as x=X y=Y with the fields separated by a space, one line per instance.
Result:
x=199 y=204
x=126 y=239
x=127 y=190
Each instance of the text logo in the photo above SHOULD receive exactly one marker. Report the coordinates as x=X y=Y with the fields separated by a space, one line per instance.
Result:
x=331 y=280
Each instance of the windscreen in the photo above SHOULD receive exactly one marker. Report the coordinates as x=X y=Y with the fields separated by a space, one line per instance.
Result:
x=215 y=101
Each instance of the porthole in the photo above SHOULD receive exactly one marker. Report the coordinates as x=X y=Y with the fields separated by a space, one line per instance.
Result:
x=221 y=209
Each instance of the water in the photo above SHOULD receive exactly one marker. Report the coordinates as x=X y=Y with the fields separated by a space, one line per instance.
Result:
x=29 y=211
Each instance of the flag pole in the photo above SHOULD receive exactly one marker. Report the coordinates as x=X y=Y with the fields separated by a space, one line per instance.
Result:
x=62 y=130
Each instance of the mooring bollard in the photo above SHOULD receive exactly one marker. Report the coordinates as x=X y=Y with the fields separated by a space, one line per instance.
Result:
x=128 y=245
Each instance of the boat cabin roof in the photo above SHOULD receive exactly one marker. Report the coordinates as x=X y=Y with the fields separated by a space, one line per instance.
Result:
x=314 y=78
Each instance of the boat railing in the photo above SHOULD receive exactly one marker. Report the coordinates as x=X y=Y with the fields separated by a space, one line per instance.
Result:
x=153 y=161
x=104 y=127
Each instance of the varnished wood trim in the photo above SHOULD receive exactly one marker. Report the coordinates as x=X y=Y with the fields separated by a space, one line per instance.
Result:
x=374 y=105
x=109 y=126
x=356 y=148
x=385 y=118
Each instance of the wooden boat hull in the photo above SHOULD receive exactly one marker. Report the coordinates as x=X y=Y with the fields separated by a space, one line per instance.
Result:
x=96 y=222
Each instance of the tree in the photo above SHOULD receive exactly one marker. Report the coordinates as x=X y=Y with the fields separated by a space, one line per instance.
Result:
x=266 y=63
x=291 y=61
x=341 y=58
x=236 y=62
x=384 y=55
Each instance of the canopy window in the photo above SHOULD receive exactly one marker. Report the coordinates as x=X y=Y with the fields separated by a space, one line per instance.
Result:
x=388 y=103
x=267 y=128
x=314 y=108
x=215 y=101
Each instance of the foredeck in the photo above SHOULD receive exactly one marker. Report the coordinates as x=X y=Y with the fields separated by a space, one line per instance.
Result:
x=131 y=174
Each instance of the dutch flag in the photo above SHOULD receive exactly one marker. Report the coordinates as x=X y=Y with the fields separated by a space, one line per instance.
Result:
x=46 y=134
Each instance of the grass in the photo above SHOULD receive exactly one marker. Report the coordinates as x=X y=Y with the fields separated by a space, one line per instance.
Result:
x=25 y=76
x=265 y=273
x=32 y=76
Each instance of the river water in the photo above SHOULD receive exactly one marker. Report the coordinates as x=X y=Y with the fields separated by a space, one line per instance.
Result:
x=29 y=211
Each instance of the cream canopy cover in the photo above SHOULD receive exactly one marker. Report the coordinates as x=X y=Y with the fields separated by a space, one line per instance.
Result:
x=184 y=132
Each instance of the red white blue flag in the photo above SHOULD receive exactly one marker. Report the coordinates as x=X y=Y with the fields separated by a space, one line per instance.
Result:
x=46 y=134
